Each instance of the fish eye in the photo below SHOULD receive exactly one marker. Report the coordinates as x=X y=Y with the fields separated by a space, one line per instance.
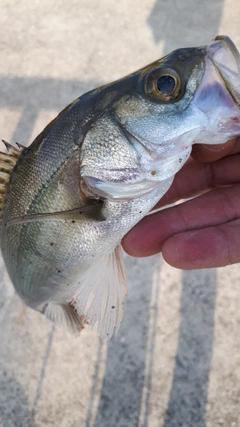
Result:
x=166 y=84
x=163 y=85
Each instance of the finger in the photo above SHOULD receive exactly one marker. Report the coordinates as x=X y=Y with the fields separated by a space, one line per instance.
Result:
x=214 y=208
x=210 y=247
x=190 y=181
x=210 y=153
x=196 y=178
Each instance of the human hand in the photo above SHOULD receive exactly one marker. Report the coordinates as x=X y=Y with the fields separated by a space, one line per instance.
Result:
x=202 y=232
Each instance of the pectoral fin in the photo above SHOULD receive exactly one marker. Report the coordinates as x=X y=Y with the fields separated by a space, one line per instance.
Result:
x=99 y=294
x=92 y=212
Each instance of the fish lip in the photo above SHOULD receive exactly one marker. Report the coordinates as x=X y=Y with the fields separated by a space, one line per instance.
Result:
x=229 y=45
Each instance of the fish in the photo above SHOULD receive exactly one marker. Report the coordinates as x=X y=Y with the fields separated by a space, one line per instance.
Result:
x=97 y=169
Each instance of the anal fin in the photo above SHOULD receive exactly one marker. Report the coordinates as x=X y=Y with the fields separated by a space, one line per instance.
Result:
x=64 y=315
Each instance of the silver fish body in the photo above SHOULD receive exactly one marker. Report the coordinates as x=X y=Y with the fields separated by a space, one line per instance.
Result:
x=101 y=166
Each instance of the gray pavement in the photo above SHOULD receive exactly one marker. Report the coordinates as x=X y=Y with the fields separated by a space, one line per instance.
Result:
x=176 y=359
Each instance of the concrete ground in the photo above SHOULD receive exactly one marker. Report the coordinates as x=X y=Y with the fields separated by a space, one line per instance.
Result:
x=176 y=359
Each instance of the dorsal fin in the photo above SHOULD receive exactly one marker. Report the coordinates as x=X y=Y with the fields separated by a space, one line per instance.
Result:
x=7 y=163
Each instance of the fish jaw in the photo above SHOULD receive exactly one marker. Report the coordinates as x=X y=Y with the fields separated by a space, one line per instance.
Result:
x=226 y=58
x=217 y=98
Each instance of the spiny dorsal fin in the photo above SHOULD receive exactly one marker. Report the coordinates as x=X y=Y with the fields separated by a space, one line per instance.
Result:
x=13 y=151
x=7 y=163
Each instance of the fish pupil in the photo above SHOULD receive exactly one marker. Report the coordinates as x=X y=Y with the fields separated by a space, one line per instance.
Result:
x=166 y=84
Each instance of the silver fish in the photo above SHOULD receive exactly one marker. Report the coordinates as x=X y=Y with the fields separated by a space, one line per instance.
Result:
x=97 y=169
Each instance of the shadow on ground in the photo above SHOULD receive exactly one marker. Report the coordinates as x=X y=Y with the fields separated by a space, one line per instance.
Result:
x=167 y=22
x=14 y=410
x=188 y=397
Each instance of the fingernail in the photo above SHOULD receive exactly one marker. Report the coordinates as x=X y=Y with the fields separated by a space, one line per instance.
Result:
x=214 y=148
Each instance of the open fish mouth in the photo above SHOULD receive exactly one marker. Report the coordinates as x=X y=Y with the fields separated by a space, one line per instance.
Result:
x=221 y=50
x=225 y=58
x=218 y=94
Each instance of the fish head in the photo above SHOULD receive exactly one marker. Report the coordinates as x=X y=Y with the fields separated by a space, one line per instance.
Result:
x=155 y=115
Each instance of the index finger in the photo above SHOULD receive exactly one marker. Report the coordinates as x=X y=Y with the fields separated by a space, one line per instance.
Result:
x=196 y=178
